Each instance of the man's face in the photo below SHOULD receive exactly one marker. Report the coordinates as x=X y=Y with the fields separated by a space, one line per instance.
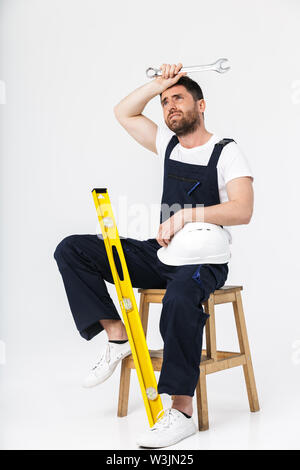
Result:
x=181 y=113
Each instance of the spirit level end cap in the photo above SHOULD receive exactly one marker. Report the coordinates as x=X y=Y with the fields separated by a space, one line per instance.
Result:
x=100 y=190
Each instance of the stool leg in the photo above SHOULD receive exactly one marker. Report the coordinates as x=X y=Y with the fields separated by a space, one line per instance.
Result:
x=202 y=406
x=210 y=329
x=144 y=312
x=124 y=389
x=245 y=349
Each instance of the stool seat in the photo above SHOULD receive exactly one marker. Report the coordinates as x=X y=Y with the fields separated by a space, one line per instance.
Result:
x=212 y=360
x=216 y=292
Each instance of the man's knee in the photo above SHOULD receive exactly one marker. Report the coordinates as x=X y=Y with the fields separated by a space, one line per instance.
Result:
x=183 y=293
x=64 y=247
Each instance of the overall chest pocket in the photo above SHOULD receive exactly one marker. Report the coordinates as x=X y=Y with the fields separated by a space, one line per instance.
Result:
x=189 y=185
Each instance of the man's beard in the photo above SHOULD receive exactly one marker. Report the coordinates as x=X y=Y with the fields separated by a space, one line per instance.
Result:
x=185 y=124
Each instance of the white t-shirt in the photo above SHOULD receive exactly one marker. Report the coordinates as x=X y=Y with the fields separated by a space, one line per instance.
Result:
x=232 y=162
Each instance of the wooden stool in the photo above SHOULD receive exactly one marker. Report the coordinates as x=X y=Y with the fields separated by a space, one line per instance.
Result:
x=211 y=361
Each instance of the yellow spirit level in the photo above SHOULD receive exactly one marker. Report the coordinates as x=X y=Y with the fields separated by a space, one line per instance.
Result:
x=131 y=316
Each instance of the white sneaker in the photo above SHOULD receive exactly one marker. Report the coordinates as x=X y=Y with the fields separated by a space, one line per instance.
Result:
x=171 y=428
x=110 y=357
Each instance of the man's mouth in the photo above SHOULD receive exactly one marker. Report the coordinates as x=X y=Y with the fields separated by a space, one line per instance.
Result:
x=174 y=114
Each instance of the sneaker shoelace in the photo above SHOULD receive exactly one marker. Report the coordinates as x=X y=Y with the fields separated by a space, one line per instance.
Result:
x=164 y=421
x=106 y=356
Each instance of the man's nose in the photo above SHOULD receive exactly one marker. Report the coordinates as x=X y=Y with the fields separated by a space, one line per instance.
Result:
x=172 y=108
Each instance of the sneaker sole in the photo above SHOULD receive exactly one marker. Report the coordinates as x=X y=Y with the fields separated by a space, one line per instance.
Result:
x=146 y=446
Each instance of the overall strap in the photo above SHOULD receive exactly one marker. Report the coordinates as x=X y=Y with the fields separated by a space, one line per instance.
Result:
x=173 y=142
x=213 y=161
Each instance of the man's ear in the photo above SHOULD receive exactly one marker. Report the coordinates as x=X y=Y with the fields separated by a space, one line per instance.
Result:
x=202 y=105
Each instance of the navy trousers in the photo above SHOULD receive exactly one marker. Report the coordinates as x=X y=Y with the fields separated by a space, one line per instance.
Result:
x=84 y=266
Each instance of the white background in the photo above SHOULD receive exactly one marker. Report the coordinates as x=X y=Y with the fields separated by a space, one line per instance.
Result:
x=65 y=65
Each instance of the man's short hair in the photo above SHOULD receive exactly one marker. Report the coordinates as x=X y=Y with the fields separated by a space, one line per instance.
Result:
x=191 y=86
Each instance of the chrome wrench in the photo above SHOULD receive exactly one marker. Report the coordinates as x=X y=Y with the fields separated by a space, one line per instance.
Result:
x=217 y=66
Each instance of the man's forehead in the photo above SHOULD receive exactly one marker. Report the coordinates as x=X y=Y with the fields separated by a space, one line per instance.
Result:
x=174 y=90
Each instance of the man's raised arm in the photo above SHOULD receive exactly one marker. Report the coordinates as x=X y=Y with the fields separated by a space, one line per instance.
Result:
x=129 y=111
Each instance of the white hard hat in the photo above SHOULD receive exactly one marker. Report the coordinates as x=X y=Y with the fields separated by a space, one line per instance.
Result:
x=197 y=243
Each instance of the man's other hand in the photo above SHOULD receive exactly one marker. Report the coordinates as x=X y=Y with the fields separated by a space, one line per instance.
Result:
x=168 y=228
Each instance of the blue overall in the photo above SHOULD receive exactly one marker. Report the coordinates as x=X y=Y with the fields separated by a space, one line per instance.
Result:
x=84 y=267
